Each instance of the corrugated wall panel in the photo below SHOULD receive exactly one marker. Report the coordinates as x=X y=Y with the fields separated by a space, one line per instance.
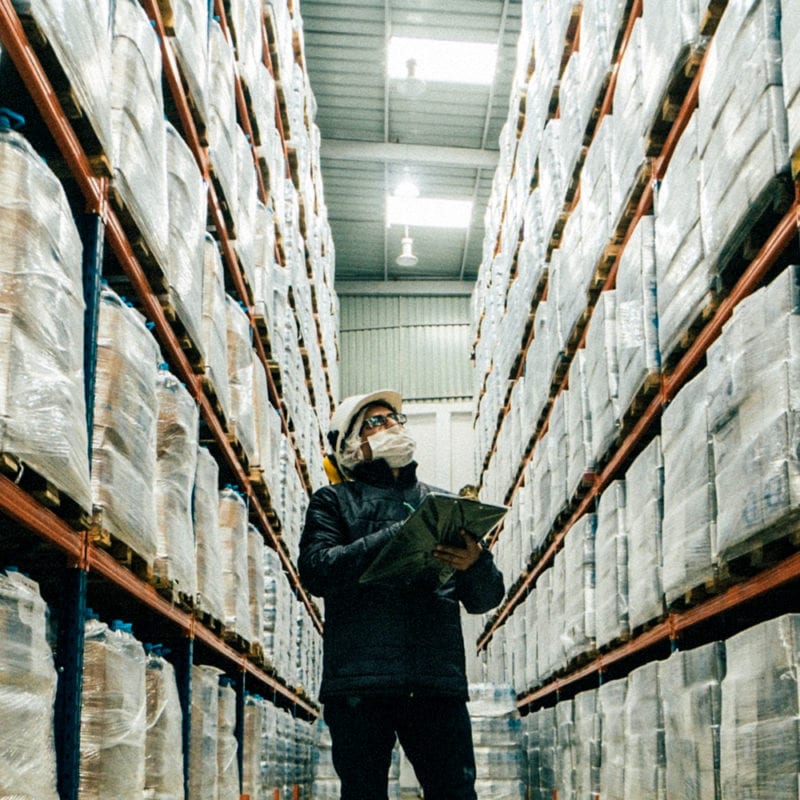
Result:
x=419 y=345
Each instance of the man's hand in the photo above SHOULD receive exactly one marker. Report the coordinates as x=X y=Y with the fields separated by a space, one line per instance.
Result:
x=459 y=558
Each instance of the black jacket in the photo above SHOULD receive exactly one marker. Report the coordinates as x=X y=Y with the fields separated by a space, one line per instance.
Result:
x=379 y=639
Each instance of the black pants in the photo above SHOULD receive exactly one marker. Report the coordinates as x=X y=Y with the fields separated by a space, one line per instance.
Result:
x=435 y=734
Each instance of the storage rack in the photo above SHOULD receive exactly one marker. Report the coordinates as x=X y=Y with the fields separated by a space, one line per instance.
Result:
x=55 y=543
x=728 y=610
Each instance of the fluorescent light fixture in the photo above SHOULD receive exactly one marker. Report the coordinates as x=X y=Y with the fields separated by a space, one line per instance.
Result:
x=406 y=188
x=428 y=212
x=443 y=61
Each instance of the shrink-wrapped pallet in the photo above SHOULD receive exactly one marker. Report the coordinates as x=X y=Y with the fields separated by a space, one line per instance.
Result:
x=79 y=34
x=227 y=761
x=602 y=375
x=233 y=532
x=596 y=185
x=579 y=622
x=531 y=610
x=644 y=481
x=190 y=43
x=188 y=200
x=580 y=462
x=558 y=591
x=572 y=111
x=552 y=180
x=125 y=426
x=27 y=693
x=245 y=18
x=215 y=326
x=240 y=375
x=42 y=402
x=566 y=744
x=545 y=643
x=163 y=737
x=255 y=712
x=601 y=29
x=688 y=532
x=611 y=566
x=113 y=714
x=208 y=540
x=542 y=484
x=247 y=207
x=790 y=40
x=742 y=127
x=611 y=706
x=587 y=748
x=548 y=733
x=644 y=735
x=255 y=580
x=754 y=395
x=637 y=315
x=203 y=768
x=137 y=126
x=557 y=455
x=759 y=738
x=326 y=782
x=176 y=448
x=262 y=412
x=222 y=118
x=690 y=684
x=570 y=276
x=264 y=244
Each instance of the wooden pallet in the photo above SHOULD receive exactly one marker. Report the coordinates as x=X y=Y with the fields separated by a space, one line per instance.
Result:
x=708 y=587
x=147 y=259
x=44 y=491
x=711 y=18
x=631 y=204
x=84 y=128
x=166 y=587
x=207 y=620
x=198 y=117
x=123 y=553
x=167 y=16
x=689 y=333
x=210 y=392
x=187 y=344
x=638 y=630
x=235 y=640
x=222 y=200
x=765 y=549
x=611 y=252
x=641 y=400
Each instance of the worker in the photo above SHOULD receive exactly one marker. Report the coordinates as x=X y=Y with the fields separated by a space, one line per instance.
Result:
x=393 y=653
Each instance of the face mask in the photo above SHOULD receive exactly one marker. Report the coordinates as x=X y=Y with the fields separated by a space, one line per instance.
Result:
x=394 y=445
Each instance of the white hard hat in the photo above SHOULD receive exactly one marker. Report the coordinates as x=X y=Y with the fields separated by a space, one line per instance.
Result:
x=346 y=412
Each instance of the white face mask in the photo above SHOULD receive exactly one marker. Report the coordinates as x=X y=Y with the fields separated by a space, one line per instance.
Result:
x=394 y=445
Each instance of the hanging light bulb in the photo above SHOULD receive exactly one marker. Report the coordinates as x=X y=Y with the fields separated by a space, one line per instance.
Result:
x=406 y=257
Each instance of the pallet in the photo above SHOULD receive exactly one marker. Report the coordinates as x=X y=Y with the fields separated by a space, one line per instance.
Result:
x=617 y=641
x=45 y=492
x=189 y=347
x=165 y=586
x=239 y=451
x=765 y=549
x=210 y=391
x=660 y=618
x=631 y=204
x=200 y=123
x=708 y=308
x=641 y=400
x=124 y=554
x=712 y=585
x=611 y=252
x=84 y=128
x=207 y=620
x=140 y=246
x=222 y=201
x=711 y=18
x=235 y=640
x=167 y=16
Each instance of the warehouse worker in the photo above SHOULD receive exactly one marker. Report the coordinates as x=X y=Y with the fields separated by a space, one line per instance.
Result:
x=393 y=661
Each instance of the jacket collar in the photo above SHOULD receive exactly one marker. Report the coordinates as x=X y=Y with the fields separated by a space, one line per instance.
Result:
x=379 y=473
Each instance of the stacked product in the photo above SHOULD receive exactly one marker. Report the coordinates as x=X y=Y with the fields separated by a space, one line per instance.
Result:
x=41 y=323
x=596 y=188
x=246 y=206
x=113 y=713
x=546 y=739
x=497 y=737
x=790 y=31
x=163 y=738
x=233 y=533
x=190 y=43
x=125 y=426
x=541 y=482
x=137 y=123
x=176 y=463
x=188 y=201
x=644 y=482
x=255 y=711
x=27 y=693
x=240 y=375
x=255 y=581
x=688 y=530
x=691 y=698
x=326 y=783
x=245 y=21
x=578 y=633
x=742 y=128
x=573 y=113
x=566 y=745
x=227 y=760
x=600 y=26
x=611 y=705
x=611 y=566
x=644 y=735
x=753 y=380
x=569 y=277
x=587 y=745
x=203 y=769
x=208 y=542
x=759 y=737
x=580 y=462
x=552 y=179
x=558 y=452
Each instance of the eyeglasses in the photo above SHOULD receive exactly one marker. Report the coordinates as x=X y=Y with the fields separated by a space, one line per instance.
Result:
x=380 y=420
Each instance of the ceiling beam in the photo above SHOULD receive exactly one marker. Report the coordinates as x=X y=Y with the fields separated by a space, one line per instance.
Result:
x=389 y=152
x=404 y=287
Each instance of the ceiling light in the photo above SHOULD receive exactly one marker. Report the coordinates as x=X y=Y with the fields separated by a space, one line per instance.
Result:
x=406 y=188
x=410 y=85
x=428 y=212
x=406 y=257
x=437 y=61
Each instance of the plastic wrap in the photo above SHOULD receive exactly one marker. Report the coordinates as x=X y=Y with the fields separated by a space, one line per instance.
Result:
x=255 y=580
x=137 y=125
x=227 y=761
x=233 y=532
x=587 y=745
x=208 y=541
x=203 y=769
x=753 y=380
x=255 y=711
x=125 y=426
x=27 y=693
x=541 y=482
x=637 y=315
x=611 y=706
x=245 y=17
x=79 y=33
x=790 y=41
x=42 y=403
x=759 y=738
x=688 y=529
x=611 y=566
x=246 y=220
x=579 y=435
x=222 y=116
x=262 y=411
x=742 y=126
x=163 y=738
x=644 y=482
x=596 y=193
x=579 y=621
x=691 y=696
x=215 y=325
x=188 y=200
x=557 y=455
x=552 y=179
x=566 y=744
x=539 y=361
x=547 y=752
x=644 y=735
x=570 y=276
x=190 y=23
x=602 y=375
x=240 y=374
x=113 y=714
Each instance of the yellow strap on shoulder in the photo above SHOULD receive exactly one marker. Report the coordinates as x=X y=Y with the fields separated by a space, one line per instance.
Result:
x=331 y=470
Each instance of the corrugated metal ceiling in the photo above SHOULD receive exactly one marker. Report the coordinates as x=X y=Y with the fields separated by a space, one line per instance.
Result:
x=447 y=139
